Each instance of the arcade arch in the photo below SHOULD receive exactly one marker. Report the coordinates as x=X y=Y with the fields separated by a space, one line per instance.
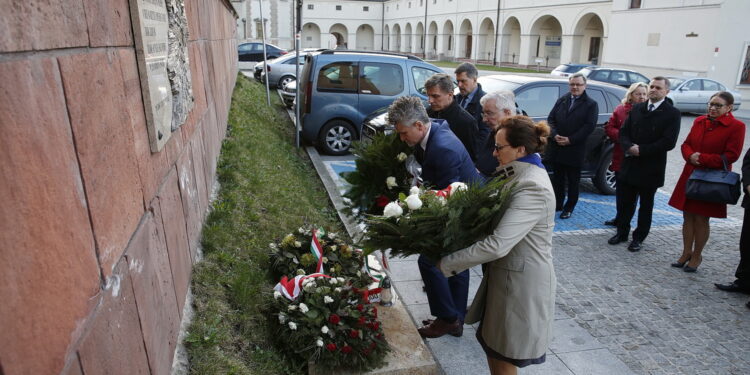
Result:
x=310 y=36
x=486 y=40
x=466 y=40
x=431 y=41
x=365 y=37
x=448 y=42
x=396 y=38
x=339 y=32
x=408 y=38
x=419 y=42
x=546 y=41
x=588 y=39
x=510 y=42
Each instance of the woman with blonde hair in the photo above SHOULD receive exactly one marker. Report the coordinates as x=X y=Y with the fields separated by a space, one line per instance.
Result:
x=637 y=93
x=515 y=303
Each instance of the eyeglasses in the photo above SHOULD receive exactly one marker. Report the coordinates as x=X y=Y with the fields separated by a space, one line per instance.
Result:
x=716 y=105
x=576 y=84
x=488 y=114
x=500 y=147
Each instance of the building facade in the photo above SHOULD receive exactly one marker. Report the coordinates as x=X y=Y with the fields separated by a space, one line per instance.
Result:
x=667 y=37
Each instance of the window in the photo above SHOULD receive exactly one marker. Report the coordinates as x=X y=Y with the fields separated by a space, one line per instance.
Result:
x=338 y=77
x=410 y=4
x=693 y=85
x=618 y=77
x=538 y=101
x=245 y=47
x=744 y=74
x=291 y=61
x=594 y=48
x=310 y=6
x=710 y=85
x=599 y=75
x=635 y=4
x=613 y=99
x=635 y=77
x=381 y=79
x=420 y=77
x=338 y=7
x=420 y=2
x=598 y=97
x=366 y=9
x=450 y=42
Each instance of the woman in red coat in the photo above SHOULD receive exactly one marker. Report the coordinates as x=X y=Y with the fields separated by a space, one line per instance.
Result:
x=637 y=93
x=711 y=136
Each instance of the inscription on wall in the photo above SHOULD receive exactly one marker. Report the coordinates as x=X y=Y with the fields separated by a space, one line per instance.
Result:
x=151 y=27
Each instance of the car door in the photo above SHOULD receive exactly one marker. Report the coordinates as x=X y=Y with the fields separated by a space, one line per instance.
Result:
x=379 y=85
x=245 y=51
x=599 y=75
x=690 y=96
x=420 y=75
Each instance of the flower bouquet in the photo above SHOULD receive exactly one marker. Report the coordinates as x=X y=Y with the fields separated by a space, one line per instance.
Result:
x=312 y=250
x=380 y=175
x=437 y=223
x=330 y=324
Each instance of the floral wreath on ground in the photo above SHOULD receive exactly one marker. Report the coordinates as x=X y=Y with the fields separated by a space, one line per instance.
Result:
x=296 y=253
x=382 y=172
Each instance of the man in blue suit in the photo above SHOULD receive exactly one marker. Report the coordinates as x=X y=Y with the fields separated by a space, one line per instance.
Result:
x=444 y=160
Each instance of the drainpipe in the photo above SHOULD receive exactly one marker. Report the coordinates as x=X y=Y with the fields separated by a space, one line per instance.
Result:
x=497 y=34
x=424 y=30
x=382 y=27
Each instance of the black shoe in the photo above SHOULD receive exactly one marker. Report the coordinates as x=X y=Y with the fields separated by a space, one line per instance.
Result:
x=617 y=238
x=635 y=245
x=690 y=269
x=680 y=265
x=611 y=223
x=566 y=214
x=748 y=304
x=733 y=288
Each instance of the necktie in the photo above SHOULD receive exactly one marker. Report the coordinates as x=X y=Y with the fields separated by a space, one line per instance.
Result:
x=651 y=107
x=463 y=102
x=419 y=153
x=572 y=101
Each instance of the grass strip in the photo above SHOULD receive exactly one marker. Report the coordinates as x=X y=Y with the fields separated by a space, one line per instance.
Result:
x=453 y=64
x=268 y=189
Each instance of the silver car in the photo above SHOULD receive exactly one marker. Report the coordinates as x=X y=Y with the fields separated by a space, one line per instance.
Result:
x=289 y=93
x=692 y=94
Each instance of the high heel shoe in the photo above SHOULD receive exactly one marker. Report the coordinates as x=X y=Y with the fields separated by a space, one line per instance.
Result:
x=692 y=269
x=680 y=265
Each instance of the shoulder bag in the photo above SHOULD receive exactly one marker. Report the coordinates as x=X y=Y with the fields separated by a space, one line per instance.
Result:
x=714 y=185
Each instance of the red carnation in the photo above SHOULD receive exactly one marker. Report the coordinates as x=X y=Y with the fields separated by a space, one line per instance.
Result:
x=334 y=319
x=360 y=307
x=354 y=333
x=331 y=347
x=346 y=349
x=382 y=201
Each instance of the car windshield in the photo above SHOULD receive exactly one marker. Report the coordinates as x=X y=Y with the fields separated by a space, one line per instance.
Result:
x=674 y=82
x=585 y=71
x=494 y=84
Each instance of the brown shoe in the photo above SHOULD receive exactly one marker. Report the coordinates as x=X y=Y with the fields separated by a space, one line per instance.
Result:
x=440 y=327
x=427 y=322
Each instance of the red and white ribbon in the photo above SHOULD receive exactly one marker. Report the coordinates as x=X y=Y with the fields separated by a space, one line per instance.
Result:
x=292 y=288
x=317 y=251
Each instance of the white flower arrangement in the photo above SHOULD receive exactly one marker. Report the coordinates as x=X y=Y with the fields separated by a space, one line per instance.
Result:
x=341 y=280
x=414 y=190
x=319 y=342
x=292 y=307
x=325 y=260
x=390 y=182
x=276 y=294
x=303 y=308
x=333 y=281
x=301 y=230
x=337 y=290
x=401 y=156
x=327 y=299
x=413 y=202
x=293 y=326
x=458 y=186
x=324 y=329
x=393 y=209
x=297 y=244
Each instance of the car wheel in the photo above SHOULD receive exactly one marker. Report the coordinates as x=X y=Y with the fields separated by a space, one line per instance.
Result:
x=605 y=180
x=336 y=137
x=284 y=80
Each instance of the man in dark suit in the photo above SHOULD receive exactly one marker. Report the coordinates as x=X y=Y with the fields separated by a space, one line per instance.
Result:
x=443 y=106
x=572 y=119
x=742 y=283
x=469 y=94
x=444 y=160
x=648 y=133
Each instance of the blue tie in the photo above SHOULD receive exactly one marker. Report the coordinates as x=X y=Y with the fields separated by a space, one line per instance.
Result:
x=651 y=107
x=572 y=101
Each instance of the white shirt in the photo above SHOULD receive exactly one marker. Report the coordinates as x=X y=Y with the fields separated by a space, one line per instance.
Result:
x=423 y=143
x=656 y=105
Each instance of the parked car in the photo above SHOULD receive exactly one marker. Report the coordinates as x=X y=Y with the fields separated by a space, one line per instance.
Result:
x=620 y=77
x=341 y=87
x=282 y=69
x=565 y=70
x=289 y=93
x=536 y=96
x=254 y=51
x=692 y=94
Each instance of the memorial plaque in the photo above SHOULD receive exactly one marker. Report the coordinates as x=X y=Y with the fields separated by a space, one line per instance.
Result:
x=151 y=28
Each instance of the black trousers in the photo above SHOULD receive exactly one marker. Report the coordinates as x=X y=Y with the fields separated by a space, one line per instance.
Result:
x=629 y=195
x=743 y=270
x=566 y=179
x=618 y=199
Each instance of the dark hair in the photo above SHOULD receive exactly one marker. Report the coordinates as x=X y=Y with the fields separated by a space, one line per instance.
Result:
x=440 y=80
x=468 y=68
x=727 y=96
x=660 y=78
x=522 y=131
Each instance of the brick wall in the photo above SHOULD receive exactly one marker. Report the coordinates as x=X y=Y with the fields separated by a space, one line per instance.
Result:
x=97 y=234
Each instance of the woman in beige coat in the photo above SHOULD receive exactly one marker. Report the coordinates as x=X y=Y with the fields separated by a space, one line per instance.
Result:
x=515 y=302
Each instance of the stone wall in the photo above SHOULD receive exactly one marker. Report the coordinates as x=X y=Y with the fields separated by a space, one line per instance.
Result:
x=97 y=234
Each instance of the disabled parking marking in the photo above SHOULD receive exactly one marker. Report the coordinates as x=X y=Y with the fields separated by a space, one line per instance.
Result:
x=591 y=211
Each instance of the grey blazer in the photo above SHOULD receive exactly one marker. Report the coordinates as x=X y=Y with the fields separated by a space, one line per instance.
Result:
x=516 y=299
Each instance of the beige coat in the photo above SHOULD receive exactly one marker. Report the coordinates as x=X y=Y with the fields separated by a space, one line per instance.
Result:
x=516 y=299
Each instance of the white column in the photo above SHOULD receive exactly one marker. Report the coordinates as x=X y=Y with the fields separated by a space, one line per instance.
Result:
x=528 y=49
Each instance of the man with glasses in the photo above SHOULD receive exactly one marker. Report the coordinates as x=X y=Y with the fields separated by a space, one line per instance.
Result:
x=496 y=107
x=648 y=133
x=571 y=120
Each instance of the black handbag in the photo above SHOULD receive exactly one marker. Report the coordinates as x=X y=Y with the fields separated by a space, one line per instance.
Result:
x=714 y=185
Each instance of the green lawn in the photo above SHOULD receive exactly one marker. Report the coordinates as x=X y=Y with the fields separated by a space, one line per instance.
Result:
x=452 y=64
x=268 y=189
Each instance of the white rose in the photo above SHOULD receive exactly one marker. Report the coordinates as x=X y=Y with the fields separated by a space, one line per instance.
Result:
x=325 y=260
x=292 y=326
x=292 y=307
x=341 y=279
x=333 y=280
x=303 y=308
x=458 y=186
x=276 y=294
x=392 y=210
x=297 y=244
x=300 y=271
x=413 y=202
x=309 y=287
x=327 y=299
x=333 y=235
x=441 y=200
x=337 y=290
x=324 y=329
x=401 y=156
x=390 y=182
x=282 y=318
x=301 y=230
x=319 y=342
x=414 y=190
